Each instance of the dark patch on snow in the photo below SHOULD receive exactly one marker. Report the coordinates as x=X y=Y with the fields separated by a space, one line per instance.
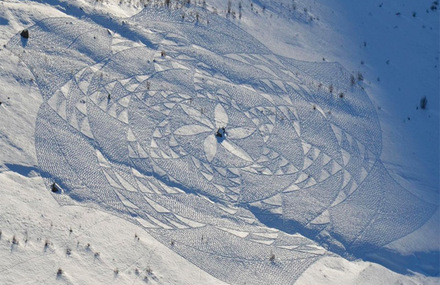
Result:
x=22 y=169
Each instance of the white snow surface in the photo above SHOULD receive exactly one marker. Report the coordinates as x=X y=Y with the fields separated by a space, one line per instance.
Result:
x=316 y=180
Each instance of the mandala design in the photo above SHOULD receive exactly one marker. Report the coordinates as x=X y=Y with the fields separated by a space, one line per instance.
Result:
x=220 y=149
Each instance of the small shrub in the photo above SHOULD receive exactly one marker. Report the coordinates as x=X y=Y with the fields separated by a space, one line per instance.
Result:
x=24 y=34
x=423 y=103
x=352 y=80
x=272 y=257
x=54 y=188
x=14 y=240
x=330 y=88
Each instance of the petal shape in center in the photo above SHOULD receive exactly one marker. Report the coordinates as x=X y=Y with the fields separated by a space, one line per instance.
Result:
x=236 y=150
x=221 y=118
x=210 y=146
x=190 y=130
x=240 y=133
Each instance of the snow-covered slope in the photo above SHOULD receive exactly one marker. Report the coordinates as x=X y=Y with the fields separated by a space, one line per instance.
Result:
x=120 y=107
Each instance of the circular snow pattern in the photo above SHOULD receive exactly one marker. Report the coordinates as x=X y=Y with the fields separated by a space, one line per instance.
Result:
x=208 y=143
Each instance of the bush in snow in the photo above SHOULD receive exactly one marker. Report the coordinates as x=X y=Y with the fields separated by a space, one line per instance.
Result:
x=14 y=240
x=352 y=80
x=272 y=257
x=423 y=103
x=25 y=34
x=54 y=188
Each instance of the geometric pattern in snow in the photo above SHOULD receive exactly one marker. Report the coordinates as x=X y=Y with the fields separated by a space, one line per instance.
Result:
x=127 y=130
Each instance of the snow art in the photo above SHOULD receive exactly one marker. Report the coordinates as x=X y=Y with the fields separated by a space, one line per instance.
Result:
x=220 y=149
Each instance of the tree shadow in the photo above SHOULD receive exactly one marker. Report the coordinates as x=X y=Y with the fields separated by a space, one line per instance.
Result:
x=24 y=42
x=21 y=169
x=24 y=37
